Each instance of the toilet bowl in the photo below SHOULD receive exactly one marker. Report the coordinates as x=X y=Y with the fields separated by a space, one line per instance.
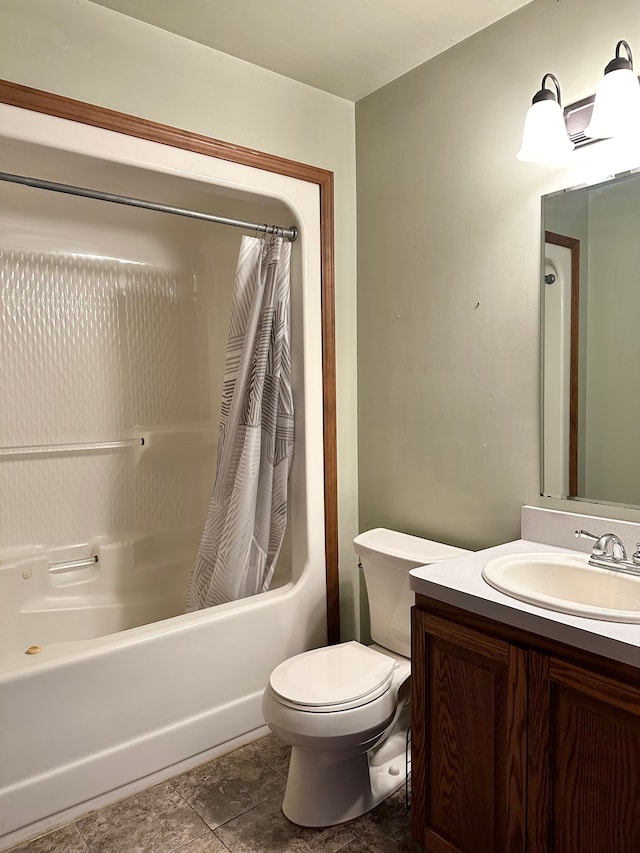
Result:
x=344 y=709
x=333 y=706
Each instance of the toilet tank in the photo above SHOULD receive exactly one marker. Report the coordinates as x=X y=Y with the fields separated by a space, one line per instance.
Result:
x=386 y=557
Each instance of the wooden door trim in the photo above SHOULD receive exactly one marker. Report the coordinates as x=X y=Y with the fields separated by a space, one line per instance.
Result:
x=49 y=103
x=573 y=244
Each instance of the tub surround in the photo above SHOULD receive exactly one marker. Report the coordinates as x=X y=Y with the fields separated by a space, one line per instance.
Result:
x=95 y=713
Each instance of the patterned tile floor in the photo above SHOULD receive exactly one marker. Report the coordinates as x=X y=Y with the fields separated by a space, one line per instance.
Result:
x=229 y=805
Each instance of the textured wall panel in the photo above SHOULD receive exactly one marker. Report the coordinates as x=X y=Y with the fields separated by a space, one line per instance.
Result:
x=90 y=350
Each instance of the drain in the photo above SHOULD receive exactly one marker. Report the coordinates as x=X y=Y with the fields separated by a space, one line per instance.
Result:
x=33 y=650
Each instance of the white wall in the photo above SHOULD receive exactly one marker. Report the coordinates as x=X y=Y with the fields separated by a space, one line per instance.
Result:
x=80 y=50
x=449 y=256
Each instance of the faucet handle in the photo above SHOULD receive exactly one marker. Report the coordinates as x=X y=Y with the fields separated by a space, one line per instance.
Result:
x=598 y=550
x=606 y=545
x=635 y=557
x=584 y=534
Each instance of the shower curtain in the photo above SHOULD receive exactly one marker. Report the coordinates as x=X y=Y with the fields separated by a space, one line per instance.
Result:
x=247 y=515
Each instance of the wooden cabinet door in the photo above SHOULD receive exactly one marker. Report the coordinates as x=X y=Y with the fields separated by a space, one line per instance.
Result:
x=469 y=699
x=584 y=760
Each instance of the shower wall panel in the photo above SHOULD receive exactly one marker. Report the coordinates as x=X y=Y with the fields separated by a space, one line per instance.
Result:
x=113 y=327
x=94 y=351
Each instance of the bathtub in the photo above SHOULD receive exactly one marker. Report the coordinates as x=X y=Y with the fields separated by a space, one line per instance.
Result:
x=98 y=707
x=123 y=688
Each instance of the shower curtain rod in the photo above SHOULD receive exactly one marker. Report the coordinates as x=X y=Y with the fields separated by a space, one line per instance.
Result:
x=290 y=233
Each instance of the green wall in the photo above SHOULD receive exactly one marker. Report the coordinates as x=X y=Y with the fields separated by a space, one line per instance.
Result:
x=448 y=263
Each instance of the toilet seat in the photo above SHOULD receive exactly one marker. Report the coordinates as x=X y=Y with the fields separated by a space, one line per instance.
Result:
x=334 y=678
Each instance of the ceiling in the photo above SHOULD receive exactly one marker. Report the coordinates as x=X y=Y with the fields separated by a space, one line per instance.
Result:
x=347 y=47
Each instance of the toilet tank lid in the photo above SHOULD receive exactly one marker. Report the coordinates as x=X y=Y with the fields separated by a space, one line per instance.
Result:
x=392 y=543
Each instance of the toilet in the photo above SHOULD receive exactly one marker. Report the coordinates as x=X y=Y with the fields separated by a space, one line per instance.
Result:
x=344 y=709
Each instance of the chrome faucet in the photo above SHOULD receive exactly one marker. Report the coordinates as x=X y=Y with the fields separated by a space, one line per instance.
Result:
x=609 y=553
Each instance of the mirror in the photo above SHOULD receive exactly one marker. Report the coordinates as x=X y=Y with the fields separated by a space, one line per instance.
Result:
x=591 y=343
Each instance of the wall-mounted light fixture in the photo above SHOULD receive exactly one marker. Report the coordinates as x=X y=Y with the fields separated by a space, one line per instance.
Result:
x=545 y=138
x=617 y=100
x=550 y=133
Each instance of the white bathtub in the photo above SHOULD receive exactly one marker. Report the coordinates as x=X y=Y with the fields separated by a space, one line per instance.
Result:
x=103 y=588
x=90 y=714
x=114 y=700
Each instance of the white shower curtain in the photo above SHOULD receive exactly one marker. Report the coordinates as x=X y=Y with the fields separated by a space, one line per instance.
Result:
x=248 y=510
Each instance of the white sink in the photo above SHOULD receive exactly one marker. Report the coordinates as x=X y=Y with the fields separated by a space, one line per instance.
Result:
x=567 y=583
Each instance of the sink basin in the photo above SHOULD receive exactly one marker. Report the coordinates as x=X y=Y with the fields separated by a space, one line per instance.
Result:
x=568 y=584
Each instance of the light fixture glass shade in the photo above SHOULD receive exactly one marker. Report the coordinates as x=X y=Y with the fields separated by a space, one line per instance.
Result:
x=545 y=138
x=616 y=110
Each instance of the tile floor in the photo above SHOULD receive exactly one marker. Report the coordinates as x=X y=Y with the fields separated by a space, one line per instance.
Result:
x=229 y=805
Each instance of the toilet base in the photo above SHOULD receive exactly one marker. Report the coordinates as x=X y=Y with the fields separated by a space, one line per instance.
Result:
x=326 y=788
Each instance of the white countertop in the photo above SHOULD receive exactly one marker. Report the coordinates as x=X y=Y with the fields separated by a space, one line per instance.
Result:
x=459 y=582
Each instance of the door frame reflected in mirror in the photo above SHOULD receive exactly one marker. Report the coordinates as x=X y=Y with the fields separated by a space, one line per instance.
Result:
x=573 y=244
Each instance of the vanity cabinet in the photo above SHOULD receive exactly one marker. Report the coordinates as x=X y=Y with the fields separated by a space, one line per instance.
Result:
x=519 y=744
x=584 y=759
